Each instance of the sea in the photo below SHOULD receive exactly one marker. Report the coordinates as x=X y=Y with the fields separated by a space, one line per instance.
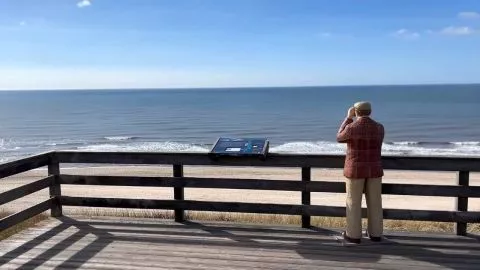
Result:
x=420 y=120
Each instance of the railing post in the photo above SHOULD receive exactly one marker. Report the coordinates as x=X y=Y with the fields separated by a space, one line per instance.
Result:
x=462 y=202
x=306 y=177
x=178 y=193
x=55 y=190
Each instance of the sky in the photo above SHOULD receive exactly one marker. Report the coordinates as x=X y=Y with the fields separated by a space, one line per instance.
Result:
x=102 y=44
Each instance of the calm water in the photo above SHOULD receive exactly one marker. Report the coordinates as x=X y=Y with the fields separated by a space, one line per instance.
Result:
x=419 y=120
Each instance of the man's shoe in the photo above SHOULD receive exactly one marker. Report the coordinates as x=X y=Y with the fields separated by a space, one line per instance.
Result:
x=349 y=239
x=373 y=238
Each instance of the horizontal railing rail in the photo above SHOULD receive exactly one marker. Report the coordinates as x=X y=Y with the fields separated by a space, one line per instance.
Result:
x=25 y=214
x=462 y=191
x=471 y=164
x=261 y=184
x=23 y=165
x=25 y=190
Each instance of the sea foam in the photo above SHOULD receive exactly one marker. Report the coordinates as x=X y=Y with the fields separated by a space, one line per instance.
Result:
x=299 y=147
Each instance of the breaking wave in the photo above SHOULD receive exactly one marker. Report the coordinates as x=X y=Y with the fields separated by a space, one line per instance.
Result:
x=319 y=147
x=146 y=147
x=10 y=149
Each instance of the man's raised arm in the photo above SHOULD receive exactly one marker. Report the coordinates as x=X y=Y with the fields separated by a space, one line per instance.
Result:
x=343 y=134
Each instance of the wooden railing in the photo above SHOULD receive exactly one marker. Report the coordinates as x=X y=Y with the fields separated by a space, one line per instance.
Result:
x=23 y=165
x=462 y=191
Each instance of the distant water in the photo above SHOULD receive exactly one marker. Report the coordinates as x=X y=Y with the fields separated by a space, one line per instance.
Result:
x=419 y=120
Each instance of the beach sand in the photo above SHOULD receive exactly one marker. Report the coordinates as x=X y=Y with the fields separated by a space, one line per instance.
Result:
x=282 y=197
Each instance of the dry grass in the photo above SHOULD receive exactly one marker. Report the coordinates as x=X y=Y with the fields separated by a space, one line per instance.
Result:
x=270 y=219
x=323 y=222
x=21 y=226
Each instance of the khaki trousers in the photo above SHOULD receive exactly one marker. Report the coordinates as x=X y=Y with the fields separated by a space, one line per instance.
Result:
x=373 y=194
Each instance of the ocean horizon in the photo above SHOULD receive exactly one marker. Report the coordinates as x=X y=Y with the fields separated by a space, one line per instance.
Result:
x=434 y=120
x=227 y=88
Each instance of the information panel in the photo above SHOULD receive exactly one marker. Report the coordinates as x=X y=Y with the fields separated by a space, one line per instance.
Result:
x=240 y=147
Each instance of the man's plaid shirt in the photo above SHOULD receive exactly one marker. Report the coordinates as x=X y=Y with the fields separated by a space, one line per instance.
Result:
x=364 y=138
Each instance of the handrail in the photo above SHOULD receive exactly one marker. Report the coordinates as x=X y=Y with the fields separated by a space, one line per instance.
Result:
x=24 y=164
x=471 y=164
x=262 y=184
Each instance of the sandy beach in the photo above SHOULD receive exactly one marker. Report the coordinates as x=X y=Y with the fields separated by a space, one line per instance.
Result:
x=389 y=201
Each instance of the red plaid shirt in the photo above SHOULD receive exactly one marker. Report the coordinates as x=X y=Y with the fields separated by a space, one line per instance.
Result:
x=364 y=138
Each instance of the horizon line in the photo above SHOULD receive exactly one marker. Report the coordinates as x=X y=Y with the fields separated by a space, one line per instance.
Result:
x=236 y=87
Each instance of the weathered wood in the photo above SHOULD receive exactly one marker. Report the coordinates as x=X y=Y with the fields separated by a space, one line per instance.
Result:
x=158 y=245
x=306 y=177
x=189 y=182
x=262 y=184
x=178 y=192
x=431 y=190
x=55 y=189
x=309 y=239
x=154 y=253
x=150 y=228
x=261 y=208
x=24 y=190
x=462 y=202
x=430 y=215
x=273 y=160
x=24 y=164
x=18 y=217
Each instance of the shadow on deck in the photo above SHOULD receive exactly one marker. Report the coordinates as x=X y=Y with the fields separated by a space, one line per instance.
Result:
x=103 y=243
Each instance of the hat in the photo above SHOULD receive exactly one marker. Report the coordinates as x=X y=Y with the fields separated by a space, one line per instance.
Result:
x=363 y=106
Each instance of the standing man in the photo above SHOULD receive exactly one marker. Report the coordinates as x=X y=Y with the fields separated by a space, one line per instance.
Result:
x=363 y=170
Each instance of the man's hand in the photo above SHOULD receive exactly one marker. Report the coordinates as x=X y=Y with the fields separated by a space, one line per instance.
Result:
x=351 y=112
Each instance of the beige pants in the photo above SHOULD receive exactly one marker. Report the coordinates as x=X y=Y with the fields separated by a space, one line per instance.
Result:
x=373 y=195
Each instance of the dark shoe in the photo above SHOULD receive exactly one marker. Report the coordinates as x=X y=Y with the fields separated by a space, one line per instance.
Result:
x=349 y=239
x=373 y=238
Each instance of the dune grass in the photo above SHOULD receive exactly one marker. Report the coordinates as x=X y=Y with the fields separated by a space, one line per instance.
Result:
x=270 y=219
x=323 y=222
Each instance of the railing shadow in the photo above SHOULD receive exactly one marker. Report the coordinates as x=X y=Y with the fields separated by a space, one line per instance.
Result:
x=316 y=245
x=76 y=260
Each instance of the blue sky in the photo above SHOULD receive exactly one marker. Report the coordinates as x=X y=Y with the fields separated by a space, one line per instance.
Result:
x=65 y=44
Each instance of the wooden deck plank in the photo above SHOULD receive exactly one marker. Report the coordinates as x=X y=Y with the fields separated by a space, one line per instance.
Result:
x=273 y=244
x=258 y=232
x=310 y=238
x=94 y=264
x=119 y=250
x=110 y=254
x=152 y=244
x=143 y=239
x=220 y=260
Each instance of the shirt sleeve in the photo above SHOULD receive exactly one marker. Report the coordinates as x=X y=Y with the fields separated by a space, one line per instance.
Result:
x=382 y=132
x=344 y=133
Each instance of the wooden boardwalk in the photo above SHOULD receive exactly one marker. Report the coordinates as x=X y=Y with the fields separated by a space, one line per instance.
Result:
x=82 y=243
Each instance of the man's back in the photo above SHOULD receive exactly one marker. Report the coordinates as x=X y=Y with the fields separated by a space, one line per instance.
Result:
x=364 y=138
x=363 y=170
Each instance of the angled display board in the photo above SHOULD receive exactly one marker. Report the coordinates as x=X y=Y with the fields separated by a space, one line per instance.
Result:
x=240 y=147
